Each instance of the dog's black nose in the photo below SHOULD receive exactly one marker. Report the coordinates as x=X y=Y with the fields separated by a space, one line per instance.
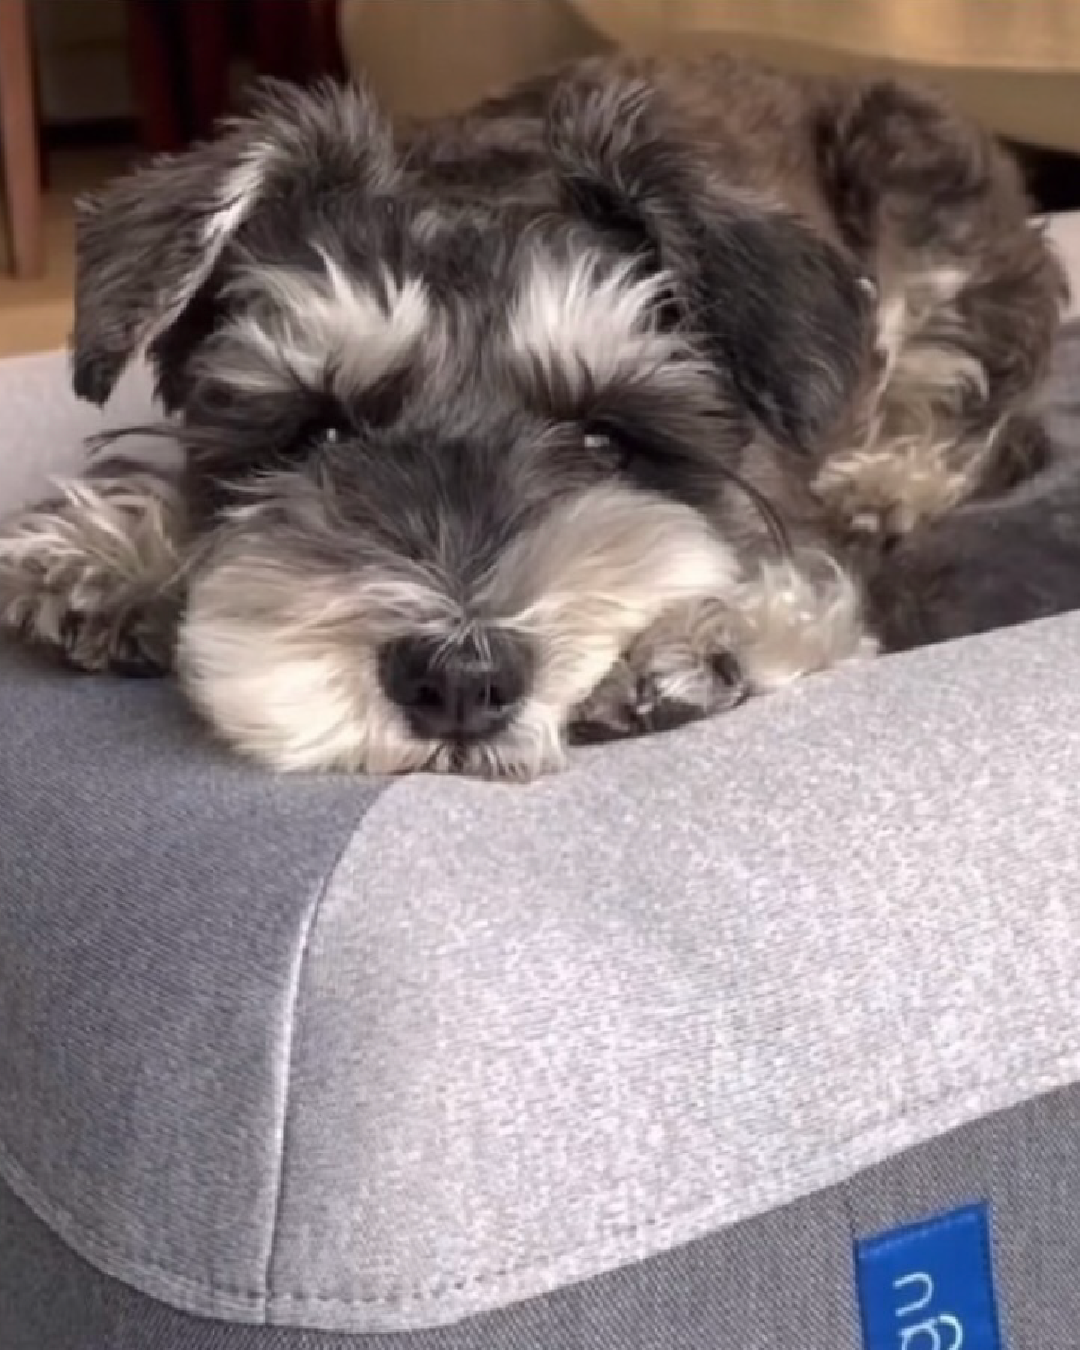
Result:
x=456 y=690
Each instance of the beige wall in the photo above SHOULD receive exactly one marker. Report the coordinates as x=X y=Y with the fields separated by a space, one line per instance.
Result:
x=1014 y=64
x=425 y=57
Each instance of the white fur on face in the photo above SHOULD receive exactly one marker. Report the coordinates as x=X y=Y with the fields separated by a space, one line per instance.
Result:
x=583 y=322
x=321 y=328
x=597 y=574
x=283 y=661
x=284 y=664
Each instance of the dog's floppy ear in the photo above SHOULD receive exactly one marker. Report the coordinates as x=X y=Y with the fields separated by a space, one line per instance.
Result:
x=783 y=310
x=148 y=244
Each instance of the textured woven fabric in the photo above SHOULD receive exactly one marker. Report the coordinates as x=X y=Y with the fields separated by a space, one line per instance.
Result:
x=310 y=1052
x=155 y=896
x=694 y=979
x=515 y=1037
x=777 y=1282
x=43 y=426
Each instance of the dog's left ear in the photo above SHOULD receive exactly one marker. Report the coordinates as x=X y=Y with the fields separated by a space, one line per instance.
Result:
x=784 y=311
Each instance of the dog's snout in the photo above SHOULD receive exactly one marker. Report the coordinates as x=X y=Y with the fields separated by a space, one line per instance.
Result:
x=456 y=691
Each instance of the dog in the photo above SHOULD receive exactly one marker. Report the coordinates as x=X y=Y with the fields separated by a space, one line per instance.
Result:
x=574 y=416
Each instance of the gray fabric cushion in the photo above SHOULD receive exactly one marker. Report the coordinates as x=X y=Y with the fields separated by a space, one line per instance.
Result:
x=316 y=1053
x=781 y=1281
x=43 y=426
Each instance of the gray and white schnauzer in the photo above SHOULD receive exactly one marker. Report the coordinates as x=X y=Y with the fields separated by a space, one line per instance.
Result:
x=574 y=416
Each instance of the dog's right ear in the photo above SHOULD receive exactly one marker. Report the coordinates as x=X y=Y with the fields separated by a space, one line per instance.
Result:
x=147 y=245
x=782 y=310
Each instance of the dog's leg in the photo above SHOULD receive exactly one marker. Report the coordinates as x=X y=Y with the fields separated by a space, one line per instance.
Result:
x=786 y=619
x=94 y=574
x=680 y=670
x=970 y=301
x=904 y=472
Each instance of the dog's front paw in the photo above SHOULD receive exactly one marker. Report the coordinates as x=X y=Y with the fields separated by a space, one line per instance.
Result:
x=77 y=614
x=129 y=641
x=69 y=586
x=679 y=671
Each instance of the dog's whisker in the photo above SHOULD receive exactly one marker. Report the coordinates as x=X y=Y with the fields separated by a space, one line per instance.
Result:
x=102 y=441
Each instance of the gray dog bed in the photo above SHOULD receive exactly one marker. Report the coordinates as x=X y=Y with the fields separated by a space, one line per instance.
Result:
x=762 y=1035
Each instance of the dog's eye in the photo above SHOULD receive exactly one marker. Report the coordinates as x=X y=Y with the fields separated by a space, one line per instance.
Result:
x=319 y=432
x=607 y=445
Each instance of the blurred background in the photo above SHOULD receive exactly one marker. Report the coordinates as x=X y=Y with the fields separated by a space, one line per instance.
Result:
x=86 y=86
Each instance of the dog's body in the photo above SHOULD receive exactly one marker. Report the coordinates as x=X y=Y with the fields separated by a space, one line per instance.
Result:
x=488 y=432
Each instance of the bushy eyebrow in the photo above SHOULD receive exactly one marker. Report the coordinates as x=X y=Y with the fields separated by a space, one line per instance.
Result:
x=581 y=324
x=319 y=328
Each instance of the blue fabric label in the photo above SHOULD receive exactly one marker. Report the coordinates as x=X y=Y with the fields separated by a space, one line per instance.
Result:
x=930 y=1286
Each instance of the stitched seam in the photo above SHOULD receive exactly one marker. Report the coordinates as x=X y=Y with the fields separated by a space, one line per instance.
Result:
x=392 y=1299
x=352 y=836
x=858 y=1311
x=292 y=1004
x=986 y=1247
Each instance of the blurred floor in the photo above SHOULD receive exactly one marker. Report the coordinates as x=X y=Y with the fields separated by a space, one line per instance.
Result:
x=36 y=315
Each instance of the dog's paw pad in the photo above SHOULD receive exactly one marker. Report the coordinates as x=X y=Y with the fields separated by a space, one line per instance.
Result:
x=668 y=714
x=709 y=685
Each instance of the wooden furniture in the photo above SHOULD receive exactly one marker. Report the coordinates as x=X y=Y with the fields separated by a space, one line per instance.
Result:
x=179 y=57
x=20 y=140
x=181 y=53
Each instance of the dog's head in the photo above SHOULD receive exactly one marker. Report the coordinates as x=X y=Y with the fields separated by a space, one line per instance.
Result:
x=465 y=412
